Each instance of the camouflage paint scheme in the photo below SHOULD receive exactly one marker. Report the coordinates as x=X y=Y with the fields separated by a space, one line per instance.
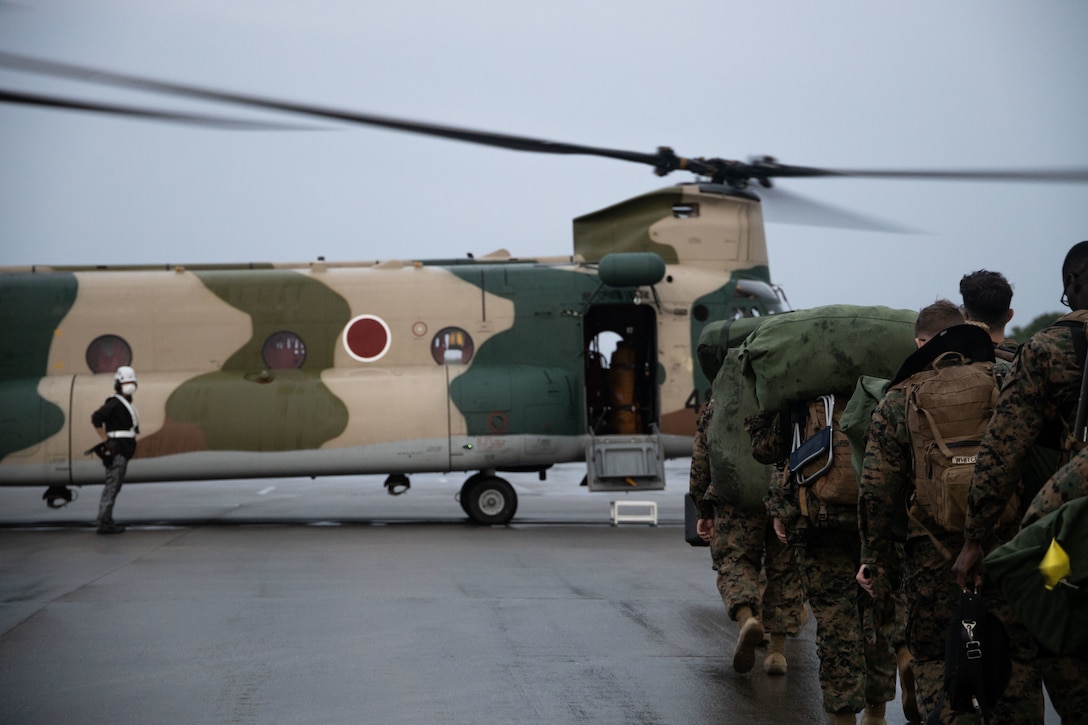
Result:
x=210 y=407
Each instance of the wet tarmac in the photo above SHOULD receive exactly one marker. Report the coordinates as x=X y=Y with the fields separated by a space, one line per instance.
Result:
x=297 y=600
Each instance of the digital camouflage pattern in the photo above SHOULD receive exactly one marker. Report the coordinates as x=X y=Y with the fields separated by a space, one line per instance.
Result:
x=928 y=584
x=1070 y=482
x=329 y=368
x=754 y=568
x=1038 y=404
x=699 y=477
x=1069 y=694
x=854 y=633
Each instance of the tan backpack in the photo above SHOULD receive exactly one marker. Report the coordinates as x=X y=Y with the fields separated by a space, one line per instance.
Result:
x=948 y=407
x=820 y=464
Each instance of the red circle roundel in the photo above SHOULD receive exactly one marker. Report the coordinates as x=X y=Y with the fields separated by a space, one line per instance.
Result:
x=366 y=338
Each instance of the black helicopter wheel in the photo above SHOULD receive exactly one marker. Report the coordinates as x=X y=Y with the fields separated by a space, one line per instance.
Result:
x=489 y=500
x=462 y=496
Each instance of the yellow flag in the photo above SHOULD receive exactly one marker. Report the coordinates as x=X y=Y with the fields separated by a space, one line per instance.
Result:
x=1055 y=565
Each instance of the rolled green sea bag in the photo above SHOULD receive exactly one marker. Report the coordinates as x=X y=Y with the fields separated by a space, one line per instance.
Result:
x=735 y=476
x=797 y=356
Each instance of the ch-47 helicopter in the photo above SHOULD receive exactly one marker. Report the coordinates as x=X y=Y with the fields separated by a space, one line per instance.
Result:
x=476 y=365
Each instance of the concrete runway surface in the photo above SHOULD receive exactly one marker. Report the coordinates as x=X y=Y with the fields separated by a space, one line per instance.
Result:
x=298 y=600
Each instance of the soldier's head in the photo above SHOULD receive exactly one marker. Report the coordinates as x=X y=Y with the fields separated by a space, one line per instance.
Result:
x=1075 y=277
x=938 y=316
x=986 y=298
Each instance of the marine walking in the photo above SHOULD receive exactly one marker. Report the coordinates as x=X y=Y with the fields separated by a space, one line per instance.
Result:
x=893 y=478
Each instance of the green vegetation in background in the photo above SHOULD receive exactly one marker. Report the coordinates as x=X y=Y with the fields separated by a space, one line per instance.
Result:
x=1043 y=321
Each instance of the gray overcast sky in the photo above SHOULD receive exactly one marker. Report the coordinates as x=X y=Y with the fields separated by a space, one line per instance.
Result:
x=931 y=84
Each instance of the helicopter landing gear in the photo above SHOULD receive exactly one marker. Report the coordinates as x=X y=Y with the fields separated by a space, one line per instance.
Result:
x=488 y=500
x=53 y=494
x=396 y=484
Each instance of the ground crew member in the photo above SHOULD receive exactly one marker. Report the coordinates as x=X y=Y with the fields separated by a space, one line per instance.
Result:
x=117 y=424
x=742 y=543
x=887 y=487
x=1038 y=405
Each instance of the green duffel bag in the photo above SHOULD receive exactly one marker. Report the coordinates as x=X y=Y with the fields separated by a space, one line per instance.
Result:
x=801 y=355
x=868 y=392
x=718 y=338
x=1057 y=616
x=735 y=476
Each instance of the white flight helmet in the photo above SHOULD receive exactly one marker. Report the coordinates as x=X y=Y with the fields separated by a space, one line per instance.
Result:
x=125 y=374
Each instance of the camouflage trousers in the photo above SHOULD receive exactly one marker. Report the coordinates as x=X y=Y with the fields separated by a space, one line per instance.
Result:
x=894 y=570
x=853 y=631
x=1066 y=680
x=755 y=569
x=115 y=476
x=930 y=587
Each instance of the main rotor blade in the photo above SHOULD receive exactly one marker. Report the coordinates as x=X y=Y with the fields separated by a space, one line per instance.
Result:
x=34 y=99
x=783 y=207
x=664 y=161
x=762 y=169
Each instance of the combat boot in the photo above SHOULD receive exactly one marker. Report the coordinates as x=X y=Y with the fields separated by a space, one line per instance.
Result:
x=906 y=681
x=109 y=527
x=775 y=664
x=844 y=717
x=749 y=637
x=874 y=714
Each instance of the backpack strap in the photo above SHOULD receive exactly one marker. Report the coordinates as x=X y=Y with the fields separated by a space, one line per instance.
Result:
x=1006 y=351
x=941 y=548
x=1080 y=342
x=798 y=478
x=1078 y=320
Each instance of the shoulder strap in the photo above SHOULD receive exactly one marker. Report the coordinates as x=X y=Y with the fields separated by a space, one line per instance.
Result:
x=131 y=410
x=1078 y=320
x=1006 y=351
x=1080 y=342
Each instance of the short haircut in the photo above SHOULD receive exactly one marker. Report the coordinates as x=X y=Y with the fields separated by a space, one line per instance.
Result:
x=1075 y=260
x=938 y=316
x=987 y=297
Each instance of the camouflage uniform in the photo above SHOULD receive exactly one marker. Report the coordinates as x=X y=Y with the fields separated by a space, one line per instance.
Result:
x=1070 y=482
x=853 y=633
x=744 y=543
x=699 y=478
x=928 y=582
x=1038 y=404
x=754 y=568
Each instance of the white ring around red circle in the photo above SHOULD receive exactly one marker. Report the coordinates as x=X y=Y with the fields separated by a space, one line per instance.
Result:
x=349 y=339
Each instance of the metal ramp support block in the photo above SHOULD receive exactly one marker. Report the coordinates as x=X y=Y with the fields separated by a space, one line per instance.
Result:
x=646 y=514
